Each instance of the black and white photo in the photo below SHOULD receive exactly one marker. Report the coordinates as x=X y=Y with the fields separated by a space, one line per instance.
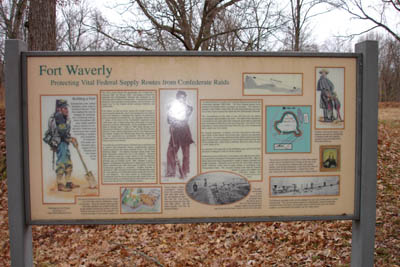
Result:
x=218 y=188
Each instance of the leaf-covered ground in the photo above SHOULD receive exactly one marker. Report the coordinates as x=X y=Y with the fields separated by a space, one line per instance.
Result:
x=224 y=244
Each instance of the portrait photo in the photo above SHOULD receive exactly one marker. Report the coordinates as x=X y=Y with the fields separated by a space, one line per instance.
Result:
x=178 y=135
x=329 y=158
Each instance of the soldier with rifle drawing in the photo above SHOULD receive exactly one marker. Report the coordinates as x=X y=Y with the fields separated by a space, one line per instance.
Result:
x=58 y=137
x=178 y=113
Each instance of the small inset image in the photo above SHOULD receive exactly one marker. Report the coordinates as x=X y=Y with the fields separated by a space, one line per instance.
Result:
x=329 y=158
x=329 y=98
x=178 y=135
x=304 y=186
x=288 y=129
x=140 y=200
x=272 y=84
x=218 y=188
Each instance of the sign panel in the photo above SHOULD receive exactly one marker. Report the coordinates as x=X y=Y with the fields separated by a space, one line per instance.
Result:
x=170 y=137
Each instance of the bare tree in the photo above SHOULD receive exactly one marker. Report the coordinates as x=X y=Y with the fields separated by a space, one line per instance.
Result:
x=12 y=19
x=389 y=70
x=71 y=29
x=376 y=13
x=260 y=23
x=337 y=45
x=192 y=25
x=13 y=15
x=186 y=21
x=75 y=30
x=379 y=14
x=301 y=12
x=388 y=65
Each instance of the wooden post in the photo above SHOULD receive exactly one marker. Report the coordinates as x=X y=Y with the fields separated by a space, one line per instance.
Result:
x=20 y=232
x=363 y=238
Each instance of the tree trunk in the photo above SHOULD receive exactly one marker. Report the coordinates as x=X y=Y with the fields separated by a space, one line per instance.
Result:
x=42 y=25
x=297 y=26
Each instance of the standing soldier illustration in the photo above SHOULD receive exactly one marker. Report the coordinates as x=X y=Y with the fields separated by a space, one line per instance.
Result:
x=178 y=114
x=58 y=136
x=326 y=101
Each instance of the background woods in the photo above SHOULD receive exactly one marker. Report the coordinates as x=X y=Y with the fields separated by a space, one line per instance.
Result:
x=214 y=25
x=217 y=25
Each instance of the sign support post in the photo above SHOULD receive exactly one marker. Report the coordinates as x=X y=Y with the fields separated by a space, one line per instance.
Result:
x=20 y=231
x=363 y=235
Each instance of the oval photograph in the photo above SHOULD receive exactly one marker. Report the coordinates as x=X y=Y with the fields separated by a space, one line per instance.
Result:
x=218 y=188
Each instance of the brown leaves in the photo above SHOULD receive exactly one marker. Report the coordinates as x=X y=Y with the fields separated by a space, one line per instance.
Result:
x=224 y=244
x=387 y=241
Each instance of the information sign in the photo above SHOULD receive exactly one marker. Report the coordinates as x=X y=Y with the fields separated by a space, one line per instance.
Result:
x=133 y=137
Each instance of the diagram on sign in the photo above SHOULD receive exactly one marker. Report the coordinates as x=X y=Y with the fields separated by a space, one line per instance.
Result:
x=288 y=129
x=272 y=84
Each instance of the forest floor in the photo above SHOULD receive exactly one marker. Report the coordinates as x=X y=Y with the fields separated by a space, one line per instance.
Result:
x=309 y=243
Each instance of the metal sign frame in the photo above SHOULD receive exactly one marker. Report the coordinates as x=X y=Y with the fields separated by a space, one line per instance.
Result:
x=366 y=150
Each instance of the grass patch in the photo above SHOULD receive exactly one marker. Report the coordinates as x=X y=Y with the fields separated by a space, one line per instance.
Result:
x=391 y=123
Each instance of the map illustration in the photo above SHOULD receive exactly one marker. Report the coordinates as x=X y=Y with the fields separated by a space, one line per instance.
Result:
x=272 y=83
x=288 y=124
x=288 y=129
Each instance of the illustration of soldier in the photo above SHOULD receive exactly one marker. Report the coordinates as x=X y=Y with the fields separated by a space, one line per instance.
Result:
x=178 y=114
x=58 y=137
x=326 y=100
